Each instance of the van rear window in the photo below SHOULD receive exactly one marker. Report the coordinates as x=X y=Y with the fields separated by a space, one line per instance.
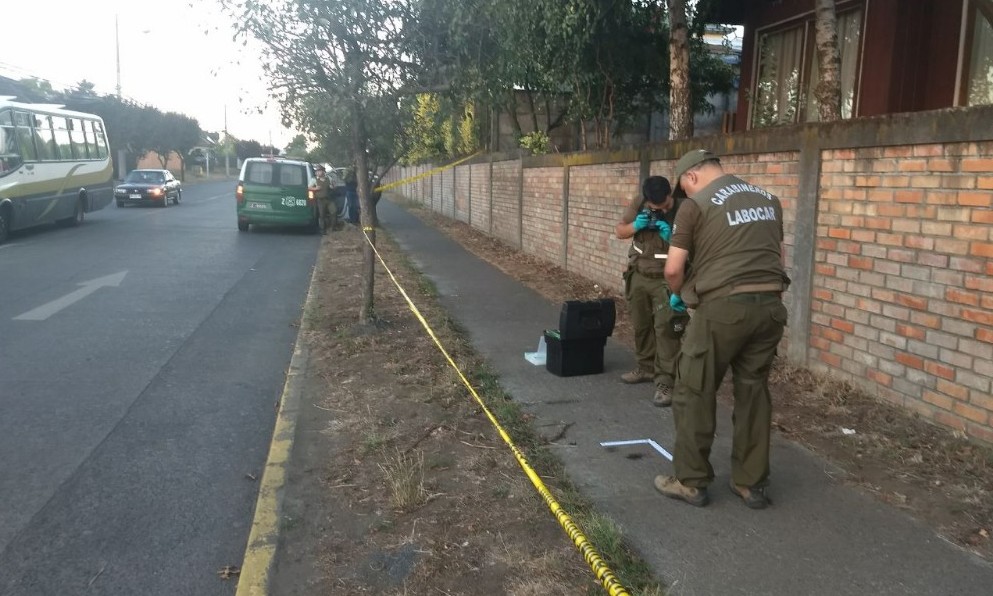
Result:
x=259 y=173
x=291 y=176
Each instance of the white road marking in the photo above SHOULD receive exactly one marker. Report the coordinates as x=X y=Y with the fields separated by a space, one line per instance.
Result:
x=88 y=287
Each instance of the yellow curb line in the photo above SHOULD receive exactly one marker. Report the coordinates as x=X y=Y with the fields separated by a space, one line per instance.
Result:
x=260 y=553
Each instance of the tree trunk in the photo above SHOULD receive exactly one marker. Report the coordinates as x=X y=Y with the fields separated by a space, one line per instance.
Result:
x=828 y=89
x=680 y=99
x=367 y=312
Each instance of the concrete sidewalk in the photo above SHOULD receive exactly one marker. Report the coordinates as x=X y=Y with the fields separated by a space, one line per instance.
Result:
x=820 y=537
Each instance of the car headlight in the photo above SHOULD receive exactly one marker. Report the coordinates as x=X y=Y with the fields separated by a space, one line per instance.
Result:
x=120 y=191
x=155 y=192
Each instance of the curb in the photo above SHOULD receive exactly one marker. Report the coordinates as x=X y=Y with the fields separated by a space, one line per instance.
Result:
x=263 y=540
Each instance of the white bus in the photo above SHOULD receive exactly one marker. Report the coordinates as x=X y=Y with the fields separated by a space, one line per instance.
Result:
x=54 y=165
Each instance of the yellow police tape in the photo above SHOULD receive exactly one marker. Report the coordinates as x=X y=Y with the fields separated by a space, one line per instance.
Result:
x=422 y=175
x=589 y=552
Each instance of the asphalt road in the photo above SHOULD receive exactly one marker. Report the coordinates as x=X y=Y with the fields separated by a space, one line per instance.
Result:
x=141 y=356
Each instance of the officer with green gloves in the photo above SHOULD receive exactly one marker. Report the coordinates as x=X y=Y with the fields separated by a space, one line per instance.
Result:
x=734 y=231
x=648 y=220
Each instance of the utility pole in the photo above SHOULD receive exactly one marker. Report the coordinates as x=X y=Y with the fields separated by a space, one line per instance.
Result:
x=117 y=47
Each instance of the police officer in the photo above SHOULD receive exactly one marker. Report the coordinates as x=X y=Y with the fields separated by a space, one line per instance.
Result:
x=647 y=220
x=325 y=208
x=734 y=232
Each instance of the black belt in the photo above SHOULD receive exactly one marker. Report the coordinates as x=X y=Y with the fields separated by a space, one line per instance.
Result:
x=756 y=297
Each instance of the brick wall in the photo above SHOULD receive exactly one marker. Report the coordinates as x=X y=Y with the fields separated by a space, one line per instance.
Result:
x=480 y=196
x=506 y=187
x=597 y=197
x=888 y=233
x=903 y=289
x=447 y=182
x=462 y=174
x=542 y=221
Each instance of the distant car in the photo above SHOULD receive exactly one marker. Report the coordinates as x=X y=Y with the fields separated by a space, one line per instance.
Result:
x=277 y=191
x=157 y=187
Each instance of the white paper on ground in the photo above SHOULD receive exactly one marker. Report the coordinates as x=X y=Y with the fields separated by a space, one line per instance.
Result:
x=539 y=356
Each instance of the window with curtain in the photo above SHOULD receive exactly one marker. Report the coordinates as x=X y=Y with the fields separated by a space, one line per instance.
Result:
x=979 y=83
x=788 y=72
x=777 y=87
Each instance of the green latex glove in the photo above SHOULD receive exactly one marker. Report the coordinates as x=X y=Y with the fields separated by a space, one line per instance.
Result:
x=665 y=231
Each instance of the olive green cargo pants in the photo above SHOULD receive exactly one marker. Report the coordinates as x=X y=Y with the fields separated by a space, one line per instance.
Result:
x=741 y=332
x=648 y=305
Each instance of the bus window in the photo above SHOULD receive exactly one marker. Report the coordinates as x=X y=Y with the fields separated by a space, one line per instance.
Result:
x=25 y=140
x=101 y=140
x=62 y=139
x=91 y=141
x=77 y=138
x=10 y=158
x=44 y=141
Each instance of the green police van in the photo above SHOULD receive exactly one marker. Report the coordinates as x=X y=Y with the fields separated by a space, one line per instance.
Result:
x=277 y=191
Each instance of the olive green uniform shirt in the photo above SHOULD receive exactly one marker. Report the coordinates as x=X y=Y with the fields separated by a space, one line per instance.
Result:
x=733 y=231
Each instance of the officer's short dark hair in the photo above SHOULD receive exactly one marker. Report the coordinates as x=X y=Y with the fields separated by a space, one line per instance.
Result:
x=655 y=189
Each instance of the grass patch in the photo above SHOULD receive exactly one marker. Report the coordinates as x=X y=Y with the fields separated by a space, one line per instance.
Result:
x=404 y=473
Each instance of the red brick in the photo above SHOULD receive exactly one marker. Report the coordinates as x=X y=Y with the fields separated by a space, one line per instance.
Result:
x=975 y=199
x=864 y=263
x=880 y=196
x=949 y=420
x=984 y=182
x=825 y=269
x=963 y=232
x=844 y=326
x=841 y=233
x=863 y=236
x=892 y=210
x=981 y=432
x=940 y=370
x=832 y=360
x=832 y=335
x=910 y=360
x=971 y=412
x=983 y=401
x=910 y=331
x=942 y=197
x=922 y=211
x=877 y=223
x=879 y=377
x=929 y=150
x=940 y=165
x=953 y=389
x=936 y=399
x=984 y=284
x=820 y=343
x=826 y=244
x=925 y=181
x=977 y=165
x=928 y=320
x=823 y=294
x=915 y=241
x=978 y=316
x=981 y=249
x=984 y=334
x=911 y=301
x=983 y=216
x=909 y=196
x=951 y=246
x=960 y=297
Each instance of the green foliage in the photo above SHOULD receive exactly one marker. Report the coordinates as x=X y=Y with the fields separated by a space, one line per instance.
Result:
x=426 y=139
x=297 y=147
x=468 y=136
x=600 y=62
x=536 y=142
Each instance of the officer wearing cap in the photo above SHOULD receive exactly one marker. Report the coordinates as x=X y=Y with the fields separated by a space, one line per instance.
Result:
x=733 y=232
x=648 y=220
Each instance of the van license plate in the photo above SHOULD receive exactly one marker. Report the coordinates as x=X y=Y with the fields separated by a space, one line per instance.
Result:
x=258 y=206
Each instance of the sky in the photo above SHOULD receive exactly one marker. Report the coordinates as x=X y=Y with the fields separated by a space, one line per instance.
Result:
x=172 y=56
